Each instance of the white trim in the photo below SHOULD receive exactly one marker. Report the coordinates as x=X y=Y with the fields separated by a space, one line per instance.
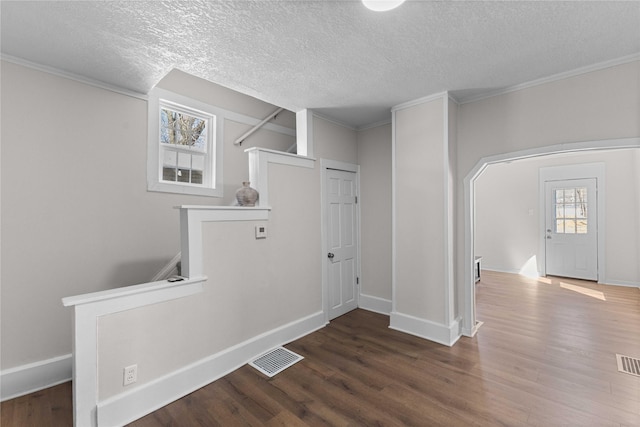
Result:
x=553 y=78
x=338 y=165
x=136 y=403
x=469 y=320
x=374 y=125
x=503 y=270
x=448 y=216
x=71 y=76
x=327 y=164
x=394 y=297
x=608 y=282
x=334 y=121
x=259 y=159
x=151 y=293
x=213 y=184
x=625 y=283
x=437 y=332
x=420 y=101
x=304 y=133
x=375 y=304
x=257 y=127
x=35 y=376
x=574 y=171
x=87 y=309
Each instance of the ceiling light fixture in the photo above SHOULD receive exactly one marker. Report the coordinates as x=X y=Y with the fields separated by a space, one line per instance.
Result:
x=382 y=5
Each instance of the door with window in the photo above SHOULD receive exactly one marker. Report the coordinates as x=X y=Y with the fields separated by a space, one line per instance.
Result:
x=571 y=235
x=342 y=241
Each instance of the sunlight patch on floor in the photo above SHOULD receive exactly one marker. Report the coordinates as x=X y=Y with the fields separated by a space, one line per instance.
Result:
x=584 y=291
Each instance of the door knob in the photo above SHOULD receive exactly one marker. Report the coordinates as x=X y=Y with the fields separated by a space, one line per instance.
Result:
x=330 y=255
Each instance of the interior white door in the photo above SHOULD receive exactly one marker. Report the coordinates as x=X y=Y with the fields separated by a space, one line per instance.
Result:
x=571 y=234
x=342 y=241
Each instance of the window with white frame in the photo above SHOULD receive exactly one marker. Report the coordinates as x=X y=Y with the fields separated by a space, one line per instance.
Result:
x=184 y=147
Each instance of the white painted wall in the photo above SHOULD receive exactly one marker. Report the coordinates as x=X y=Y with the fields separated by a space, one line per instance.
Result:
x=419 y=206
x=374 y=158
x=333 y=141
x=507 y=236
x=80 y=219
x=254 y=286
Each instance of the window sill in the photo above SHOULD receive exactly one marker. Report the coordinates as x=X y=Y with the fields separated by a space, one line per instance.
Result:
x=183 y=189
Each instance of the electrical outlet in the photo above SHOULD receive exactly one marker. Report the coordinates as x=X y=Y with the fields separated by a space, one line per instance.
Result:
x=130 y=375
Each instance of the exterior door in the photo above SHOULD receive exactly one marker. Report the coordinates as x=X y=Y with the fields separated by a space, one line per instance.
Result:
x=571 y=235
x=342 y=241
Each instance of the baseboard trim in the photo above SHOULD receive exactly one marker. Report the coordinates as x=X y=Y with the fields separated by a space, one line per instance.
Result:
x=25 y=379
x=620 y=283
x=127 y=407
x=437 y=332
x=375 y=304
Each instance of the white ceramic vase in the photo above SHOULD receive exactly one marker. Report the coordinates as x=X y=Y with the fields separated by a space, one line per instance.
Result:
x=246 y=196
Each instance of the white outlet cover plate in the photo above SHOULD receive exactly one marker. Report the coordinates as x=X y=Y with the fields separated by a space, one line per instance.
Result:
x=130 y=375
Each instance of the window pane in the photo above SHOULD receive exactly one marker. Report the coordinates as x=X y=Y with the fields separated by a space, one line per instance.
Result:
x=570 y=226
x=569 y=195
x=196 y=177
x=559 y=211
x=560 y=226
x=169 y=158
x=184 y=175
x=197 y=162
x=570 y=211
x=581 y=194
x=184 y=160
x=178 y=128
x=581 y=210
x=168 y=174
x=559 y=195
x=581 y=226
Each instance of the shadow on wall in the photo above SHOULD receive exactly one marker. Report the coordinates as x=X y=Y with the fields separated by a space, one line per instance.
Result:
x=135 y=272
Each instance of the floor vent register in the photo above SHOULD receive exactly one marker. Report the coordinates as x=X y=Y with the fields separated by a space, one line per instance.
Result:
x=628 y=365
x=275 y=361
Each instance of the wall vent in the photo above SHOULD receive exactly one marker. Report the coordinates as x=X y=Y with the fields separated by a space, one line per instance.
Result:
x=275 y=361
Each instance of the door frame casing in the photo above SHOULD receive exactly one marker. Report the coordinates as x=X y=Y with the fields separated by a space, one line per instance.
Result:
x=326 y=164
x=569 y=172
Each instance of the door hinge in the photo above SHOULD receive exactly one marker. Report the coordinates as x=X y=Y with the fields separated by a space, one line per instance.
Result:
x=357 y=280
x=356 y=200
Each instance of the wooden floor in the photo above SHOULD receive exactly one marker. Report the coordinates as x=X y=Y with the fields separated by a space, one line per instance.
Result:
x=545 y=356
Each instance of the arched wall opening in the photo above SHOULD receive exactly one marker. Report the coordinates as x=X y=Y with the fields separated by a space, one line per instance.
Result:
x=469 y=324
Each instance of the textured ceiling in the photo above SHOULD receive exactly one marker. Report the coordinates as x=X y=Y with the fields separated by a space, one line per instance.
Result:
x=336 y=57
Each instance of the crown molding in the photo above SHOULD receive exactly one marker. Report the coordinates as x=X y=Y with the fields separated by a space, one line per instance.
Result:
x=72 y=76
x=553 y=78
x=419 y=101
x=334 y=121
x=374 y=125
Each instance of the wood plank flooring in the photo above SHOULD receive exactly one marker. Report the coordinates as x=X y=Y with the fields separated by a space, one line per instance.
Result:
x=545 y=356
